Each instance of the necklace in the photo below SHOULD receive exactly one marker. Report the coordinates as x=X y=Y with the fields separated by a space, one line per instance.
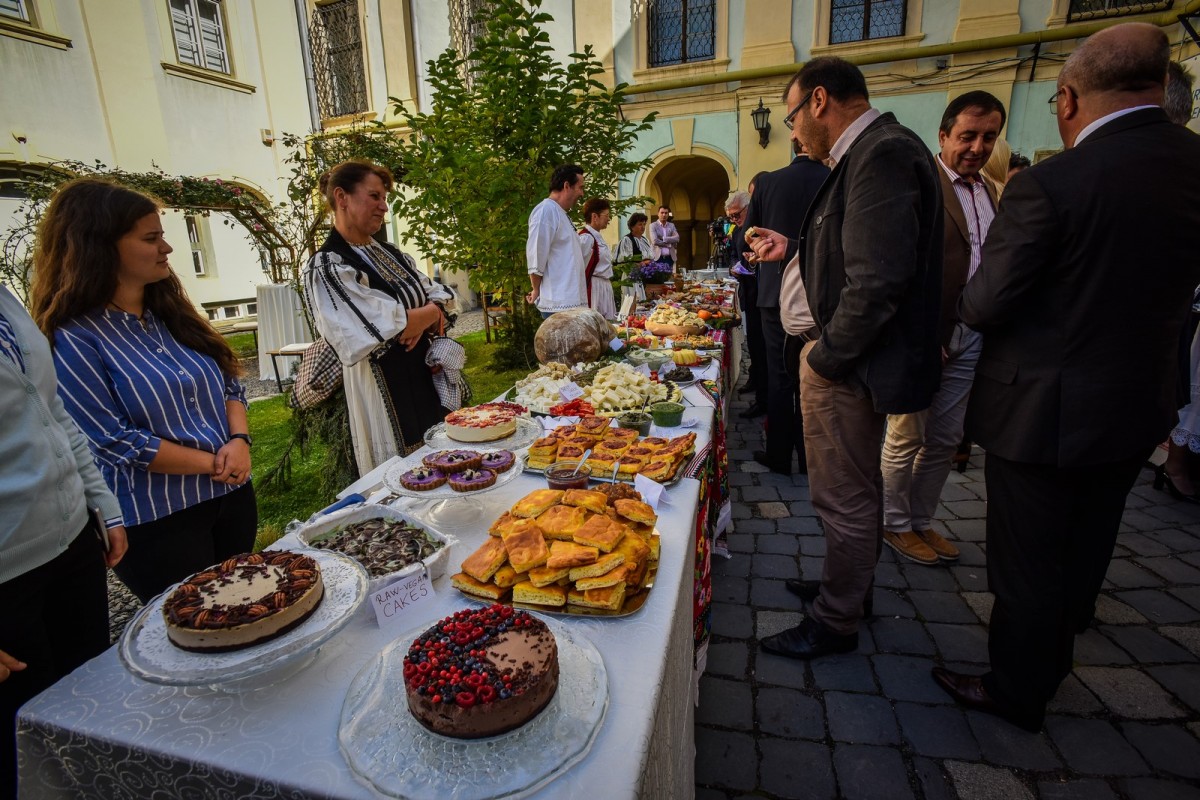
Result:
x=140 y=318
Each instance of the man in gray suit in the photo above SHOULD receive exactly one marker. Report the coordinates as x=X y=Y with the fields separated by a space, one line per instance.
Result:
x=1086 y=280
x=871 y=263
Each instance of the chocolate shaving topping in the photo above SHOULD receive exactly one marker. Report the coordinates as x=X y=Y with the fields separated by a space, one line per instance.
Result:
x=382 y=546
x=180 y=607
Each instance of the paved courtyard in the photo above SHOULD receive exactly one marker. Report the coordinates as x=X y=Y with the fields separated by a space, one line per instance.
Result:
x=872 y=724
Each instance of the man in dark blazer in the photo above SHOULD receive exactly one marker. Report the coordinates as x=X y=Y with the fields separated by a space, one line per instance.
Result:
x=918 y=446
x=871 y=261
x=1087 y=276
x=779 y=201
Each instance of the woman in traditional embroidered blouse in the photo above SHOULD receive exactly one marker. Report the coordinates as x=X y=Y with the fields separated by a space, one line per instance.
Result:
x=634 y=244
x=149 y=382
x=597 y=258
x=363 y=294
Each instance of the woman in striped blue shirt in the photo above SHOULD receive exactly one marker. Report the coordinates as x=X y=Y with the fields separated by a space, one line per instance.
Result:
x=151 y=384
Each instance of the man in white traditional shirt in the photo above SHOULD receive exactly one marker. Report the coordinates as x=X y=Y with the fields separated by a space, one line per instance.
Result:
x=664 y=237
x=918 y=447
x=555 y=264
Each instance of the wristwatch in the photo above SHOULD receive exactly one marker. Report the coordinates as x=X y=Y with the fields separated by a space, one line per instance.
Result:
x=245 y=437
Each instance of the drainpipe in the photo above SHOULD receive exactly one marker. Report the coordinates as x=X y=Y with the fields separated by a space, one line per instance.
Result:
x=310 y=83
x=1077 y=31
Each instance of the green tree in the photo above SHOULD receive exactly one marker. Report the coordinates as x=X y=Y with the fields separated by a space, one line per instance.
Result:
x=503 y=117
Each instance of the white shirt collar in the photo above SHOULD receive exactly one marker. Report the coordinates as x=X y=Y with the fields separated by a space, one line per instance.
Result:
x=1090 y=129
x=838 y=151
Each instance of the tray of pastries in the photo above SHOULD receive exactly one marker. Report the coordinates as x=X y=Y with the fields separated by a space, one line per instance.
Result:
x=591 y=552
x=617 y=454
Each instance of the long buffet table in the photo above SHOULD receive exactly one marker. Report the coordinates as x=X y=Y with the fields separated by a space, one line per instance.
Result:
x=102 y=732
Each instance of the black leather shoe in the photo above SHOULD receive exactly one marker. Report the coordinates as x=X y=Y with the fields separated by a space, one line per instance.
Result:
x=968 y=690
x=808 y=590
x=755 y=410
x=809 y=639
x=760 y=457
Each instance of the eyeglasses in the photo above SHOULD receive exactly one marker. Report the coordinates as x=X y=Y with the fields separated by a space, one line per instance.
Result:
x=787 y=121
x=1053 y=101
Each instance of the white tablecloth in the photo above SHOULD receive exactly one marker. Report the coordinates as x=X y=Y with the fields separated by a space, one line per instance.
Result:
x=280 y=322
x=101 y=732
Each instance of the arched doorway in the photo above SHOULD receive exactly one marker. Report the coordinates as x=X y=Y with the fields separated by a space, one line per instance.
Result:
x=695 y=188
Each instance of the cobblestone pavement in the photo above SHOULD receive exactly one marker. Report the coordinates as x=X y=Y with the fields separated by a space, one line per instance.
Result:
x=872 y=724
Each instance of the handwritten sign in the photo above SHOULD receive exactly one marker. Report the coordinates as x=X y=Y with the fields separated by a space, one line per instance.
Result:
x=644 y=369
x=400 y=604
x=570 y=392
x=651 y=490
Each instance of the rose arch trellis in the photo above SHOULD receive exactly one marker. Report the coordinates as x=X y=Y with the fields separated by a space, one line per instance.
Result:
x=239 y=203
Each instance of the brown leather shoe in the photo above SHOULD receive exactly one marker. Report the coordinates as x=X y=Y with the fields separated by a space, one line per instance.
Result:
x=968 y=690
x=938 y=544
x=911 y=546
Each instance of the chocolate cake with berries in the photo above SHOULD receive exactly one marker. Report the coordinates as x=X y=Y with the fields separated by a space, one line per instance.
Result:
x=481 y=672
x=243 y=601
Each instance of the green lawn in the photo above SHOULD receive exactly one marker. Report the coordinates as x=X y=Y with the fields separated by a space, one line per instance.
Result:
x=243 y=344
x=270 y=424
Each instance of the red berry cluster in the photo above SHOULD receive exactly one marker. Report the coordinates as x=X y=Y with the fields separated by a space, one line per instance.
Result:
x=448 y=663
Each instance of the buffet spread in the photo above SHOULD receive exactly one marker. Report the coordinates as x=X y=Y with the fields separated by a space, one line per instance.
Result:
x=589 y=536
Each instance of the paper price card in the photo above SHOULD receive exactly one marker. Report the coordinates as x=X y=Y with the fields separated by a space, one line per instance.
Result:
x=626 y=306
x=644 y=369
x=570 y=392
x=615 y=345
x=400 y=605
x=651 y=490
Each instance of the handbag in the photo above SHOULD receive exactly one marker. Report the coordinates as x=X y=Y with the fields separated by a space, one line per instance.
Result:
x=446 y=359
x=319 y=376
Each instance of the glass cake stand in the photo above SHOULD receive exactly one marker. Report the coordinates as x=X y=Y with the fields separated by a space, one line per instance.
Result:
x=146 y=651
x=394 y=755
x=528 y=431
x=451 y=510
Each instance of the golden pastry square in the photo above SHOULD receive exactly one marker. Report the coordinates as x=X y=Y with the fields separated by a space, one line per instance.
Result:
x=506 y=577
x=628 y=465
x=680 y=445
x=609 y=598
x=584 y=442
x=658 y=470
x=642 y=454
x=644 y=531
x=634 y=548
x=601 y=463
x=526 y=546
x=536 y=502
x=570 y=555
x=544 y=576
x=465 y=583
x=586 y=498
x=562 y=432
x=610 y=578
x=568 y=451
x=603 y=565
x=539 y=595
x=502 y=522
x=654 y=443
x=612 y=447
x=593 y=426
x=561 y=522
x=636 y=511
x=628 y=434
x=539 y=462
x=546 y=444
x=484 y=562
x=601 y=532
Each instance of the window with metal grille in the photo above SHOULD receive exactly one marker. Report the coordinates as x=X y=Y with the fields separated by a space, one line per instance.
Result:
x=335 y=39
x=196 y=240
x=200 y=34
x=681 y=31
x=860 y=20
x=17 y=9
x=1090 y=9
x=466 y=26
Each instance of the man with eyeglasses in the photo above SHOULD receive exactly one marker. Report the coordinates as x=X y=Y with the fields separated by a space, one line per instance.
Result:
x=1086 y=281
x=871 y=267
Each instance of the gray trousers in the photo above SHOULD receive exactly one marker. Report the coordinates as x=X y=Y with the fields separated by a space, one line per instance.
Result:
x=918 y=447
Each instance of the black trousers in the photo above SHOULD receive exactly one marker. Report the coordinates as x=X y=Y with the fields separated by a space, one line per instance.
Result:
x=784 y=431
x=54 y=618
x=748 y=299
x=167 y=550
x=1050 y=536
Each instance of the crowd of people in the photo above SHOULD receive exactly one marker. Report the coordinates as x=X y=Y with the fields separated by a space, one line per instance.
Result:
x=922 y=299
x=896 y=301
